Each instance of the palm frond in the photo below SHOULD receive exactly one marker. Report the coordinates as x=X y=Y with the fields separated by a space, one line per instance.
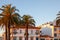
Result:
x=33 y=24
x=1 y=15
x=1 y=9
x=3 y=6
x=27 y=16
x=16 y=14
x=17 y=10
x=32 y=20
x=16 y=20
x=14 y=9
x=28 y=19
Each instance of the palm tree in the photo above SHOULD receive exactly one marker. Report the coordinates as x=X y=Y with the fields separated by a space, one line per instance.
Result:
x=9 y=18
x=27 y=20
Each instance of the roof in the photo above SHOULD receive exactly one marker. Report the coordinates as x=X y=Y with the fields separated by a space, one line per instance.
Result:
x=56 y=26
x=46 y=36
x=29 y=27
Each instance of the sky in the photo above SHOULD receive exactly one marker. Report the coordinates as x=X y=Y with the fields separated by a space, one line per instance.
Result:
x=41 y=10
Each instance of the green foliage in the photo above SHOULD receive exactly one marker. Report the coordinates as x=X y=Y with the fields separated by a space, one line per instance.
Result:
x=28 y=19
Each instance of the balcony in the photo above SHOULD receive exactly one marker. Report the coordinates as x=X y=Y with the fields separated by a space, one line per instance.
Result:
x=14 y=32
x=25 y=33
x=37 y=33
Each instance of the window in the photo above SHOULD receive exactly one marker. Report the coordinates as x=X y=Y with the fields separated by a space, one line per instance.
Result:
x=36 y=38
x=42 y=39
x=59 y=39
x=1 y=38
x=25 y=38
x=37 y=32
x=31 y=38
x=55 y=35
x=20 y=38
x=59 y=24
x=14 y=38
x=55 y=39
x=51 y=39
x=31 y=31
x=59 y=35
x=59 y=28
x=51 y=24
x=20 y=31
x=55 y=29
x=15 y=31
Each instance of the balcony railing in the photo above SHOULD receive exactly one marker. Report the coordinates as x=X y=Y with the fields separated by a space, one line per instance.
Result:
x=14 y=32
x=36 y=33
x=25 y=33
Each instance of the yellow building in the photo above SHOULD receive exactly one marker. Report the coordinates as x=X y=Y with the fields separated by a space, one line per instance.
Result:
x=48 y=27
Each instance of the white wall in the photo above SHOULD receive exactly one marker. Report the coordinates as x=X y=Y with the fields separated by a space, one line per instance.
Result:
x=29 y=31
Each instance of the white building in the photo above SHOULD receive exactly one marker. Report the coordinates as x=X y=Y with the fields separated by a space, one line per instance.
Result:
x=18 y=33
x=57 y=27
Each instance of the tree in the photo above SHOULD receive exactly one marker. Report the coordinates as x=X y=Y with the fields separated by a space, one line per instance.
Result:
x=27 y=20
x=9 y=17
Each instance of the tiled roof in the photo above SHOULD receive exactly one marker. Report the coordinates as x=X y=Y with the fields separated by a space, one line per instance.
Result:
x=29 y=27
x=56 y=26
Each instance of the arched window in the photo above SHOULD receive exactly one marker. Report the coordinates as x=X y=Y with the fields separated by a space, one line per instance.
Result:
x=58 y=22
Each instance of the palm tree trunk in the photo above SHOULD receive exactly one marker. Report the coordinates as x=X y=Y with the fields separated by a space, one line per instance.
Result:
x=8 y=34
x=8 y=31
x=27 y=31
x=12 y=33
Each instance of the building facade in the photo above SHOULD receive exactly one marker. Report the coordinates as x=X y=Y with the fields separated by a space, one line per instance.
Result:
x=34 y=33
x=1 y=37
x=47 y=31
x=19 y=33
x=46 y=37
x=57 y=27
x=56 y=32
x=47 y=28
